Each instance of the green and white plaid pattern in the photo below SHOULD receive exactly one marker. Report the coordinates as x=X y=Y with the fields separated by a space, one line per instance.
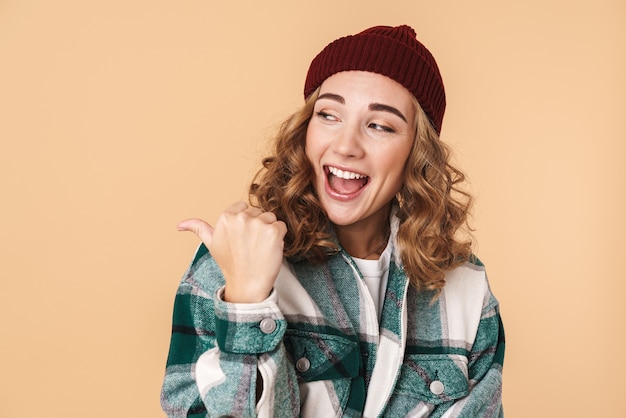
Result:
x=325 y=354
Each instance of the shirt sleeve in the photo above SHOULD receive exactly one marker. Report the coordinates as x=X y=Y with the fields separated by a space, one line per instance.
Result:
x=485 y=368
x=219 y=350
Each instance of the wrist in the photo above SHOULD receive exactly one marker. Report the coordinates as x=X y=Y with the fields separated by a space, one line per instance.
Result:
x=244 y=294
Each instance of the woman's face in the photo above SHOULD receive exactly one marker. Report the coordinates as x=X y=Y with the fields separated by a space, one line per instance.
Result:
x=358 y=141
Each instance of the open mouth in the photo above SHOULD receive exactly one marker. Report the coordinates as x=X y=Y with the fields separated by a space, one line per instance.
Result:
x=345 y=182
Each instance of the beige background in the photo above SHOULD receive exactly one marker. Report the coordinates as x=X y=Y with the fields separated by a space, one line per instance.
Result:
x=118 y=118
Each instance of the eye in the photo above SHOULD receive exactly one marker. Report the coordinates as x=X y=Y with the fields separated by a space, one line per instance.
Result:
x=381 y=128
x=326 y=116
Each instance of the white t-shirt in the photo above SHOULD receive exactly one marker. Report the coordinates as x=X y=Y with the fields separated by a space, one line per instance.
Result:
x=375 y=274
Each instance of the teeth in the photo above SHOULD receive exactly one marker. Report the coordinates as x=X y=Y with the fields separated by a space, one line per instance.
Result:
x=348 y=175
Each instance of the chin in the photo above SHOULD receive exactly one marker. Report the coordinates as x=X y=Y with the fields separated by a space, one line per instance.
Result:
x=341 y=217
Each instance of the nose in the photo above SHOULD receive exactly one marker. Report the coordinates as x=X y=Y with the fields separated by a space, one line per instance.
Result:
x=348 y=143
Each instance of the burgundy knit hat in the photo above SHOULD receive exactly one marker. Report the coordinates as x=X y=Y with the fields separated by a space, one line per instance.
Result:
x=391 y=51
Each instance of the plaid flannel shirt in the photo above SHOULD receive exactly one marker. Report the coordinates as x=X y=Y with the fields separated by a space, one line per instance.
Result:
x=320 y=350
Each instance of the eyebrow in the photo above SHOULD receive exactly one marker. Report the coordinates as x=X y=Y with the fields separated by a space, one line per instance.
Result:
x=373 y=106
x=332 y=96
x=387 y=108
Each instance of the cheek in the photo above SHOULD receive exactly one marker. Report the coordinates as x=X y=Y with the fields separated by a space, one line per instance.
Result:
x=311 y=147
x=397 y=178
x=307 y=149
x=397 y=168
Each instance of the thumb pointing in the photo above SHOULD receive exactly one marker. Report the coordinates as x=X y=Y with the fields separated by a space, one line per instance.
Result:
x=203 y=230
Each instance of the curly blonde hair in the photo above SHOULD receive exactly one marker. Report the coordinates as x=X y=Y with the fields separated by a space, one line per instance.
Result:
x=433 y=209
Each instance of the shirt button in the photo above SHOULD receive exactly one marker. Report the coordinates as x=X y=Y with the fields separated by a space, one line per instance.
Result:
x=268 y=325
x=436 y=387
x=303 y=364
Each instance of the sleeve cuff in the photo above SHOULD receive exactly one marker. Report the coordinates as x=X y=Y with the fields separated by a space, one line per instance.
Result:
x=248 y=328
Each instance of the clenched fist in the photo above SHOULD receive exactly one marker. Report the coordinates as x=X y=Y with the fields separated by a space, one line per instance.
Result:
x=247 y=244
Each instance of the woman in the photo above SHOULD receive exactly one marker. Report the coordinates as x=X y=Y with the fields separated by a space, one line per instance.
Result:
x=343 y=289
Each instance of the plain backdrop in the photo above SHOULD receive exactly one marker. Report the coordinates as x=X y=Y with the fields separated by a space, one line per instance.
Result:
x=119 y=118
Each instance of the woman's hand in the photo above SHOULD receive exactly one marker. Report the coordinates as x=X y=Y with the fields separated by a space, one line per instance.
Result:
x=247 y=245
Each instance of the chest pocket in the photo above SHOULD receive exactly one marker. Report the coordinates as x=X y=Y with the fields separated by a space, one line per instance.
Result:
x=319 y=356
x=434 y=378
